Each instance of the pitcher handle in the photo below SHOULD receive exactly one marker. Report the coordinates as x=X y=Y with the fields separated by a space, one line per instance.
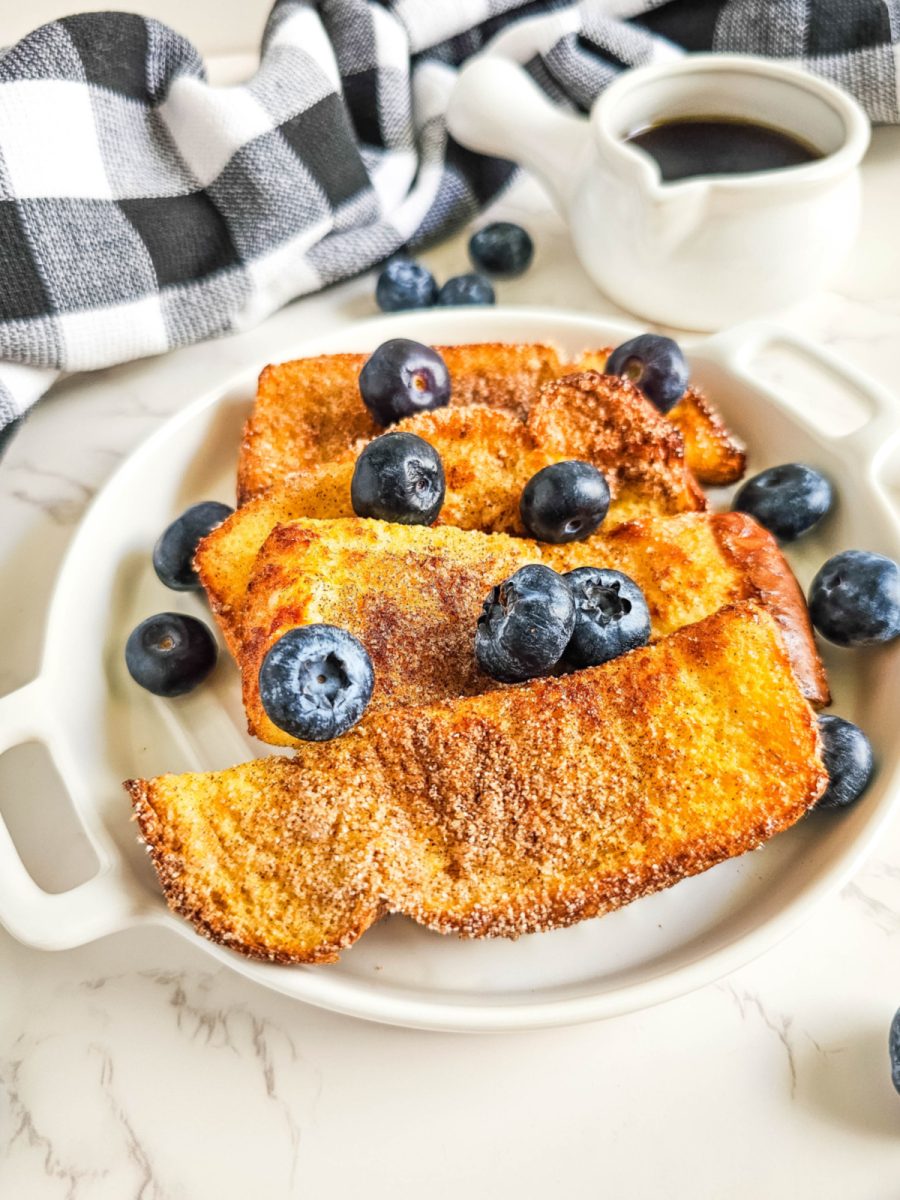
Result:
x=497 y=108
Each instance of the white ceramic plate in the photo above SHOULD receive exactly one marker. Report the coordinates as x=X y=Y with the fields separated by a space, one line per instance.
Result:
x=101 y=728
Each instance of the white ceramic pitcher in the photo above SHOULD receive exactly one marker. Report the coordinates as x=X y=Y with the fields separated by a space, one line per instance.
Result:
x=700 y=253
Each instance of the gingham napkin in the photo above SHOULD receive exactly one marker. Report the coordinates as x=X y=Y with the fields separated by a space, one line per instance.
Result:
x=141 y=208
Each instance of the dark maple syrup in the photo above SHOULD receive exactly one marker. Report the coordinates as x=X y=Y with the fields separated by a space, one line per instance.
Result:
x=689 y=146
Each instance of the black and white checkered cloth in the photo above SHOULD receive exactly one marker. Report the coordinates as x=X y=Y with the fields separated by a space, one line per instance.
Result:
x=141 y=208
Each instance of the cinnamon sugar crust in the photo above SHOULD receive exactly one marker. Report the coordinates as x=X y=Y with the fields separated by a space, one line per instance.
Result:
x=714 y=455
x=607 y=421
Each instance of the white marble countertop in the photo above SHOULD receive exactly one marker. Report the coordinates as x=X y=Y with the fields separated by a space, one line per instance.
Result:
x=131 y=1068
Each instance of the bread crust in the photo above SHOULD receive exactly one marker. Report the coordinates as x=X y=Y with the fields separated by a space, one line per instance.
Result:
x=770 y=580
x=166 y=857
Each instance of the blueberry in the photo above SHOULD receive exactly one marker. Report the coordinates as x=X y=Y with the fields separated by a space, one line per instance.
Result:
x=565 y=502
x=655 y=364
x=402 y=378
x=894 y=1050
x=787 y=500
x=398 y=477
x=611 y=617
x=173 y=554
x=847 y=754
x=855 y=599
x=502 y=249
x=525 y=625
x=467 y=289
x=315 y=682
x=404 y=284
x=169 y=654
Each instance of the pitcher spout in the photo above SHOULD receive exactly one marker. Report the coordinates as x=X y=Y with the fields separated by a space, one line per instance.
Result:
x=678 y=213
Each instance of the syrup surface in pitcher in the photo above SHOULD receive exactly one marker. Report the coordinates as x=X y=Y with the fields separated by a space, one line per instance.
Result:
x=686 y=147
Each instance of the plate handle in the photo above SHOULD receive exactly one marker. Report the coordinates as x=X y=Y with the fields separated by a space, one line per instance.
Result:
x=871 y=443
x=57 y=920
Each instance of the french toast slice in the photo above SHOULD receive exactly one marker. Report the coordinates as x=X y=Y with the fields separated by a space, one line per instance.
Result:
x=309 y=411
x=488 y=456
x=521 y=810
x=412 y=595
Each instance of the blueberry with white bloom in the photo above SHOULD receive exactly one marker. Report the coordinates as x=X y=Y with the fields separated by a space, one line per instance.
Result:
x=466 y=289
x=854 y=600
x=565 y=502
x=173 y=554
x=405 y=284
x=894 y=1050
x=501 y=249
x=525 y=625
x=402 y=378
x=170 y=653
x=788 y=500
x=315 y=682
x=847 y=755
x=611 y=617
x=398 y=477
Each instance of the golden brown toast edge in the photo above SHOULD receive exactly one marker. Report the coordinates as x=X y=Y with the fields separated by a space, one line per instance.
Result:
x=412 y=595
x=308 y=411
x=770 y=580
x=514 y=812
x=714 y=455
x=281 y=433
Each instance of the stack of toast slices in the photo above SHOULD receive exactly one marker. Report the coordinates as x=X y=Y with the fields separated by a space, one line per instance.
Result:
x=475 y=807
